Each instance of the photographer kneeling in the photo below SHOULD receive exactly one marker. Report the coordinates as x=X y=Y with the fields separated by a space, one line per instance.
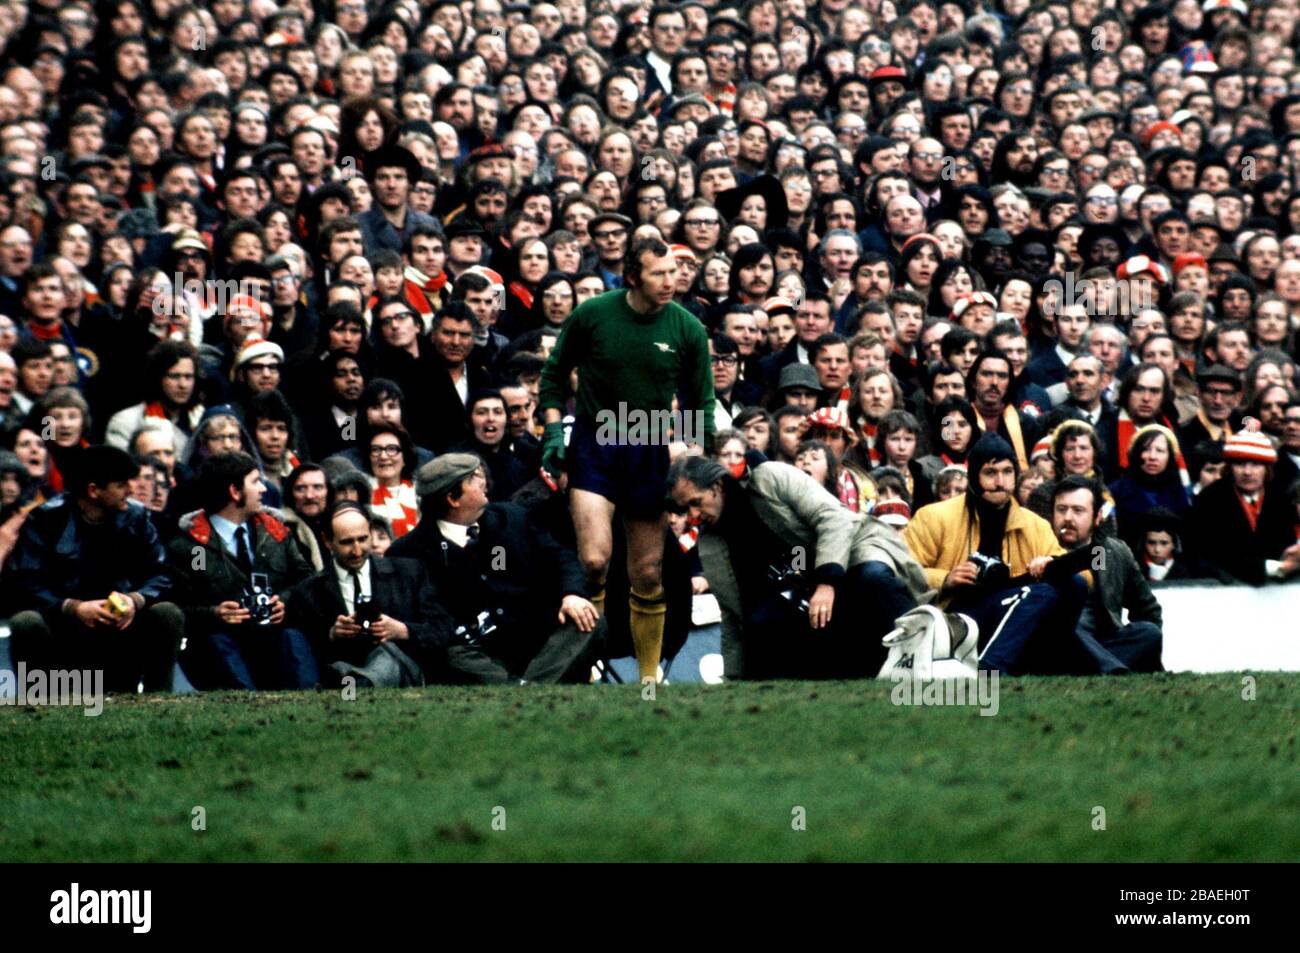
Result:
x=376 y=620
x=230 y=561
x=518 y=597
x=993 y=562
x=777 y=521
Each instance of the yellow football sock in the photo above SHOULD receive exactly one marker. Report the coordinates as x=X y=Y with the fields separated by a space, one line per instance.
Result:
x=647 y=624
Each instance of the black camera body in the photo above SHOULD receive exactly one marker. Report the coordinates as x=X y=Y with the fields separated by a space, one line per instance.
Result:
x=993 y=572
x=257 y=599
x=365 y=611
x=789 y=584
x=476 y=632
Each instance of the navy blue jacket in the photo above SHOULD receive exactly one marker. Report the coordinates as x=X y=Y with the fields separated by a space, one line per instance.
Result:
x=47 y=567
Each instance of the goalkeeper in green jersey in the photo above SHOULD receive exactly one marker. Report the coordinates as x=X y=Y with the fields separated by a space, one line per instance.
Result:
x=636 y=351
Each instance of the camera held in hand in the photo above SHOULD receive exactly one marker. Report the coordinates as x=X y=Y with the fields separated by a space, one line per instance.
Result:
x=257 y=599
x=365 y=611
x=790 y=584
x=993 y=572
x=477 y=631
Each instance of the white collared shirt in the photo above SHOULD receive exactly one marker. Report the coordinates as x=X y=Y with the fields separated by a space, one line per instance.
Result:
x=454 y=532
x=344 y=577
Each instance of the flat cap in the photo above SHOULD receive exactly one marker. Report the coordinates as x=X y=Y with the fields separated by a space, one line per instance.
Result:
x=440 y=475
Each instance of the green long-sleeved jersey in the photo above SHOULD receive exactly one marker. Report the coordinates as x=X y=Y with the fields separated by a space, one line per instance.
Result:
x=632 y=362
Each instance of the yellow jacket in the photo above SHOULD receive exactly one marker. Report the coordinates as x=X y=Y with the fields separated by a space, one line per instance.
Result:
x=943 y=535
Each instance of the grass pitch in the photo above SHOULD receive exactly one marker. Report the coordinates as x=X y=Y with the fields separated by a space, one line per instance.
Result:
x=1184 y=768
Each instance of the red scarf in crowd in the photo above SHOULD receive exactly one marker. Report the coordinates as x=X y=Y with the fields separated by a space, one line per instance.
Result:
x=520 y=291
x=420 y=288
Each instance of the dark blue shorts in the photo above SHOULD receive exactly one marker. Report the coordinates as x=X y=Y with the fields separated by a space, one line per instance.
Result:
x=633 y=478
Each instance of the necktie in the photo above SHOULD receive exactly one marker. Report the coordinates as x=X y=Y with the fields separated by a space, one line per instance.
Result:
x=472 y=535
x=356 y=590
x=242 y=554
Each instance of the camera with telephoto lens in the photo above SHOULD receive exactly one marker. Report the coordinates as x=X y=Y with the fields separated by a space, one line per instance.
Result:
x=257 y=599
x=993 y=572
x=365 y=611
x=789 y=583
x=477 y=631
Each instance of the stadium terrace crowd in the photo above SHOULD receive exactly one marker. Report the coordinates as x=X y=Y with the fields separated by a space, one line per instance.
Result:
x=309 y=313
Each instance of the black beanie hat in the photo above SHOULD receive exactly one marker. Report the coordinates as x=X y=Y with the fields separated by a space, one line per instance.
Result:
x=988 y=449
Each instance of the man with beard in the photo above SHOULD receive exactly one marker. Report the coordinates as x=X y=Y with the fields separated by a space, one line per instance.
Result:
x=990 y=559
x=775 y=519
x=454 y=105
x=991 y=256
x=392 y=170
x=634 y=350
x=988 y=385
x=1117 y=646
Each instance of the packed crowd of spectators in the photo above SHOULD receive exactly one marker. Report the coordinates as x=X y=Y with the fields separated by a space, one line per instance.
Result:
x=303 y=265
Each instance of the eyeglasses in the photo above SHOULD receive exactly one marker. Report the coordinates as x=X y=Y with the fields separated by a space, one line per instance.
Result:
x=1050 y=171
x=724 y=360
x=926 y=156
x=876 y=46
x=1104 y=200
x=1020 y=90
x=609 y=233
x=284 y=280
x=721 y=55
x=390 y=318
x=703 y=222
x=226 y=438
x=1092 y=169
x=386 y=450
x=265 y=368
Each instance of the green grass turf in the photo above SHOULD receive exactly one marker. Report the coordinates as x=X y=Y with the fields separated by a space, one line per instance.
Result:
x=1184 y=767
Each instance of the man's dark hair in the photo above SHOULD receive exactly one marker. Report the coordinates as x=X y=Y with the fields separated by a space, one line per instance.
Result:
x=218 y=474
x=632 y=260
x=100 y=465
x=30 y=349
x=270 y=405
x=829 y=339
x=724 y=345
x=1077 y=481
x=300 y=471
